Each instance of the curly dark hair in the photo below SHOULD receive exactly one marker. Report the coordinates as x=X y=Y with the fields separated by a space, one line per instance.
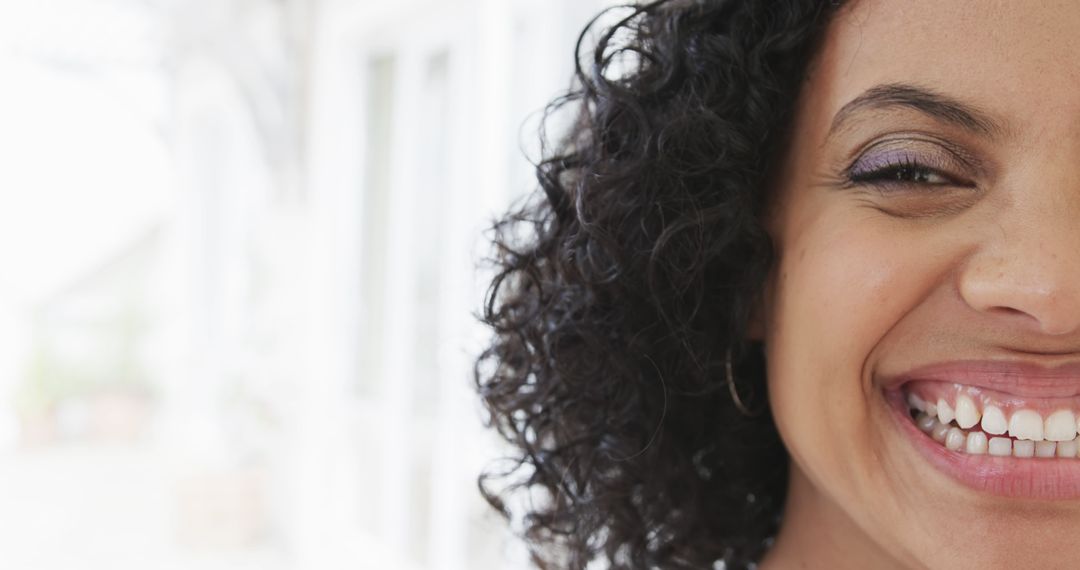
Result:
x=624 y=281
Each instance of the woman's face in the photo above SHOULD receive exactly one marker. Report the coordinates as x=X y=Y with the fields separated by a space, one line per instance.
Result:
x=927 y=224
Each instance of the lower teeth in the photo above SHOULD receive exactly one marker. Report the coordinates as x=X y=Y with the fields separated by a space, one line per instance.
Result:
x=977 y=442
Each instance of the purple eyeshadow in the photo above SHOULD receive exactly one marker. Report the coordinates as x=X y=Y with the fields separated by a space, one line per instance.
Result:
x=884 y=159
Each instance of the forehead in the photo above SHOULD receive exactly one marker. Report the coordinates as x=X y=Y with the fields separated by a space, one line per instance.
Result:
x=1018 y=60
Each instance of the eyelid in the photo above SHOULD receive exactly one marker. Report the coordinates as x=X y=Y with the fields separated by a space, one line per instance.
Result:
x=926 y=151
x=878 y=173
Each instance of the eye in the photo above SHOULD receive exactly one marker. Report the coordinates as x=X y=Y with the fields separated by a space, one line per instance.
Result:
x=905 y=171
x=901 y=165
x=915 y=176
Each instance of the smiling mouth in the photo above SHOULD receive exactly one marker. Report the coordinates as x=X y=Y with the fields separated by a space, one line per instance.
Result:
x=973 y=421
x=1004 y=428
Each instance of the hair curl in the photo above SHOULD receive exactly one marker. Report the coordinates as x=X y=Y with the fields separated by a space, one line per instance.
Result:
x=626 y=279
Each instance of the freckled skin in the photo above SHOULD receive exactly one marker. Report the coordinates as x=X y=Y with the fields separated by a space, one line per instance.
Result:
x=868 y=283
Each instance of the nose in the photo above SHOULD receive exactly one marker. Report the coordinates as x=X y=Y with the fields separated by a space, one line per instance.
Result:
x=1029 y=273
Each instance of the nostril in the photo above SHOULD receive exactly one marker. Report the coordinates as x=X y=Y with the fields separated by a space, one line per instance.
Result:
x=1047 y=320
x=1014 y=314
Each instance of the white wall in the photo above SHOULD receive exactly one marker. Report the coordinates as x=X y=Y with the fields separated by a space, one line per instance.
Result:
x=299 y=189
x=462 y=78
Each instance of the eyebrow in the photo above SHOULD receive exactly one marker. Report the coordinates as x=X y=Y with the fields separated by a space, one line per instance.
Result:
x=926 y=101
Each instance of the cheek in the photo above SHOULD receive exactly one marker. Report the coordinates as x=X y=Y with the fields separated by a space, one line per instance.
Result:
x=839 y=287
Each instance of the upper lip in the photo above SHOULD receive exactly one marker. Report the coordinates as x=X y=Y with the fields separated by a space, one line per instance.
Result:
x=1016 y=377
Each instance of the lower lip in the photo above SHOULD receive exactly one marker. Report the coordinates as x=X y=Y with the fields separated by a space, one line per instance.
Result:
x=1030 y=478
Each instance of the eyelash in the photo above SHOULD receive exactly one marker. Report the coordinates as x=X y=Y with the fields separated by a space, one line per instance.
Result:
x=906 y=172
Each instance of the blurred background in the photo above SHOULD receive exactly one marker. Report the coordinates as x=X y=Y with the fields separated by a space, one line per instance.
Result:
x=238 y=251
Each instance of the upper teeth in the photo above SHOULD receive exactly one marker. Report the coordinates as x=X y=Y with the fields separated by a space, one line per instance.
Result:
x=993 y=420
x=1026 y=424
x=967 y=415
x=1022 y=424
x=944 y=411
x=1061 y=426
